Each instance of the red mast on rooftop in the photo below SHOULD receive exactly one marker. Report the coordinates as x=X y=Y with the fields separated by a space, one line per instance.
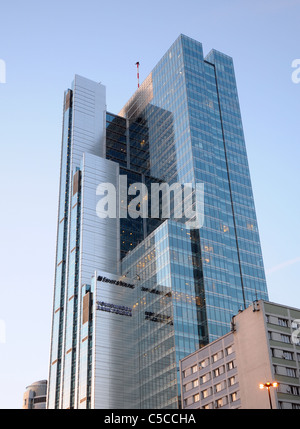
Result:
x=138 y=73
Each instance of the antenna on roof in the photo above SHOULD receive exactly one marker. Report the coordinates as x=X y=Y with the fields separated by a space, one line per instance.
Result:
x=138 y=72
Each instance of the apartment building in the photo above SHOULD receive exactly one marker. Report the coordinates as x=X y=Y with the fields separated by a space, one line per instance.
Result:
x=233 y=371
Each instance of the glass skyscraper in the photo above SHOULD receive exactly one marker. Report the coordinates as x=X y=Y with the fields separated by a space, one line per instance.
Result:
x=134 y=295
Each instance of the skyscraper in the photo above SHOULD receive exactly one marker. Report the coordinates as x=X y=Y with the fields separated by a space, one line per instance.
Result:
x=133 y=293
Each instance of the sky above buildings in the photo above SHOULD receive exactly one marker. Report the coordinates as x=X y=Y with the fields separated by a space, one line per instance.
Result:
x=43 y=44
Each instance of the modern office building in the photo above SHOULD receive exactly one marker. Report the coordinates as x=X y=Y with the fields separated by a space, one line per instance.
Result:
x=136 y=292
x=262 y=347
x=35 y=396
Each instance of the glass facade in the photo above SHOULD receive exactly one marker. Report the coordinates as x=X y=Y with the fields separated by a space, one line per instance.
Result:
x=61 y=257
x=196 y=136
x=82 y=131
x=169 y=310
x=183 y=125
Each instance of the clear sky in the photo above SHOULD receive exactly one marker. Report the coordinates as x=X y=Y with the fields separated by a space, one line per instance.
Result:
x=43 y=45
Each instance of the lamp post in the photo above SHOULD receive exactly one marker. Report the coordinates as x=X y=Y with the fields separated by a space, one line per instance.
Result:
x=268 y=385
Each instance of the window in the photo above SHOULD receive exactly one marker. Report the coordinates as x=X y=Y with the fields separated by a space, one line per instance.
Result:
x=233 y=397
x=282 y=322
x=39 y=400
x=230 y=365
x=219 y=371
x=187 y=387
x=187 y=372
x=216 y=372
x=208 y=406
x=196 y=397
x=282 y=354
x=285 y=338
x=205 y=378
x=204 y=363
x=296 y=406
x=220 y=386
x=217 y=356
x=206 y=393
x=294 y=390
x=269 y=335
x=229 y=350
x=287 y=355
x=221 y=402
x=232 y=381
x=195 y=383
x=194 y=369
x=291 y=372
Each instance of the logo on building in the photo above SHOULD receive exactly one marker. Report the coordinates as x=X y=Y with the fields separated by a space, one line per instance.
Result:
x=112 y=308
x=115 y=282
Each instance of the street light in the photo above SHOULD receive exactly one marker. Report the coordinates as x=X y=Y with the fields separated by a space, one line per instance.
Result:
x=268 y=385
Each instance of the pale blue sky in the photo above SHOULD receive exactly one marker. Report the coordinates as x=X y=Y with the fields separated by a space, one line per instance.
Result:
x=44 y=44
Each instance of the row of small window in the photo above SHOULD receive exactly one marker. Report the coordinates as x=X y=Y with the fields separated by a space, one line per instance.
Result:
x=221 y=402
x=278 y=321
x=282 y=370
x=284 y=354
x=289 y=389
x=208 y=376
x=284 y=338
x=217 y=387
x=288 y=405
x=205 y=362
x=39 y=400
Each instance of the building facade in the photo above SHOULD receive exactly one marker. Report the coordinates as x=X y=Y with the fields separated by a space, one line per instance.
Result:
x=261 y=348
x=182 y=126
x=35 y=396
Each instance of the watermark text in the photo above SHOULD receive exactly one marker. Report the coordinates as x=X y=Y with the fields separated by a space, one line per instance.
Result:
x=296 y=73
x=296 y=332
x=2 y=332
x=2 y=71
x=163 y=201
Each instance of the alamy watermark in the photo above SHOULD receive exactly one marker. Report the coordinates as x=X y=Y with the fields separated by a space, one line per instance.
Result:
x=2 y=71
x=187 y=203
x=296 y=332
x=296 y=73
x=2 y=332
